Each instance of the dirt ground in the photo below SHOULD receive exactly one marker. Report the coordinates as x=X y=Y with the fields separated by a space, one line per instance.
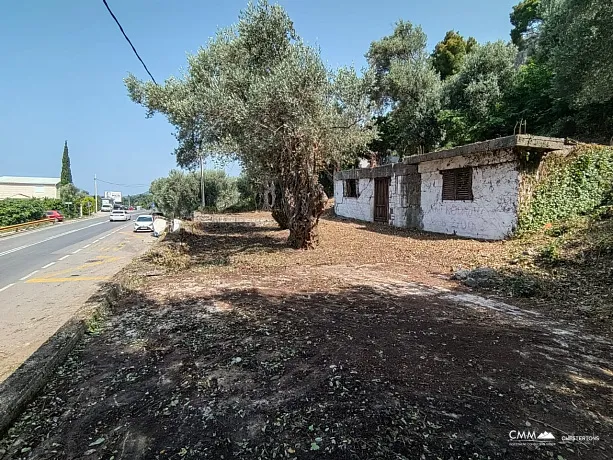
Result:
x=226 y=344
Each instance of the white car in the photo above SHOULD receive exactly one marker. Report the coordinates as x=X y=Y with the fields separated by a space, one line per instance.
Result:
x=119 y=215
x=144 y=222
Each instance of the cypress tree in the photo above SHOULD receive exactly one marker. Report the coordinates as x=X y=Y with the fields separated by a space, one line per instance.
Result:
x=66 y=177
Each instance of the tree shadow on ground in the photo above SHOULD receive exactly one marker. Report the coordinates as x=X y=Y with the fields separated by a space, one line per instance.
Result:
x=215 y=244
x=356 y=373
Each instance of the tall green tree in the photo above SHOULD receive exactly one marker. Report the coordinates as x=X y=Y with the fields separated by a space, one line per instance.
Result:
x=526 y=19
x=474 y=96
x=577 y=44
x=530 y=99
x=66 y=177
x=266 y=95
x=407 y=88
x=449 y=54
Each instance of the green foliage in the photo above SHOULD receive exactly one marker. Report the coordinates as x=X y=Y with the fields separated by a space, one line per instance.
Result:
x=578 y=40
x=408 y=89
x=88 y=203
x=576 y=44
x=475 y=94
x=178 y=195
x=66 y=177
x=525 y=18
x=247 y=190
x=221 y=191
x=578 y=186
x=529 y=98
x=19 y=211
x=16 y=211
x=143 y=199
x=258 y=90
x=449 y=54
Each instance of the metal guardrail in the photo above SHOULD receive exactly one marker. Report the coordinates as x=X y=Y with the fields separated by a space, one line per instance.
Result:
x=34 y=223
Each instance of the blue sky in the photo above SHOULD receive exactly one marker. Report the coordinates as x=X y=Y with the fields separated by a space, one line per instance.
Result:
x=63 y=62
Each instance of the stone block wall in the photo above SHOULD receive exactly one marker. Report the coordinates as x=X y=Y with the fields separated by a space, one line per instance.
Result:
x=492 y=214
x=362 y=207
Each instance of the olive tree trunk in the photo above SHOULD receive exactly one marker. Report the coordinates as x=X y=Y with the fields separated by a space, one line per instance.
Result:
x=304 y=201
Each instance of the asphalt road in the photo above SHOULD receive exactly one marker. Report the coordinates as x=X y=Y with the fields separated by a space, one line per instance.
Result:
x=46 y=275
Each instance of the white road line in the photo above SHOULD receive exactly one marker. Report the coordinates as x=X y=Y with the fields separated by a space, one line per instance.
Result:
x=86 y=246
x=65 y=257
x=27 y=276
x=95 y=241
x=10 y=251
x=42 y=229
x=48 y=265
x=6 y=287
x=78 y=250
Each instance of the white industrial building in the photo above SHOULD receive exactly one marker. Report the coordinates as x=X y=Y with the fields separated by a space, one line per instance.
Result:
x=29 y=187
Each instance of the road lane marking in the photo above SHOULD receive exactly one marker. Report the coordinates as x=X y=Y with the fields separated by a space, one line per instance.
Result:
x=27 y=276
x=99 y=260
x=65 y=257
x=78 y=250
x=42 y=229
x=86 y=246
x=95 y=241
x=48 y=265
x=6 y=287
x=10 y=251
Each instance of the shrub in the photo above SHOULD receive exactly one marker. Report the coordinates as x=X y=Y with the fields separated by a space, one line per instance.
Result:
x=581 y=184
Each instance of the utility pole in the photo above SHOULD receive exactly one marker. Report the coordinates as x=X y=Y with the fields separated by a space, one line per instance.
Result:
x=95 y=194
x=202 y=180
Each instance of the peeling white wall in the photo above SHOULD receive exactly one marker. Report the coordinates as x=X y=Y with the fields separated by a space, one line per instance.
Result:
x=492 y=214
x=397 y=203
x=362 y=207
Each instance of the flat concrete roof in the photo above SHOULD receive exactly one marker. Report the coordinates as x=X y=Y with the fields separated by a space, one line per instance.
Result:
x=521 y=141
x=517 y=142
x=29 y=180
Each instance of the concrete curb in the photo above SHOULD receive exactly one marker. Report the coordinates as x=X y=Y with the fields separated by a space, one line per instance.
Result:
x=23 y=384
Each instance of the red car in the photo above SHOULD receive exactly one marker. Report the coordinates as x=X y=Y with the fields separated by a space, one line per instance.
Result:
x=55 y=216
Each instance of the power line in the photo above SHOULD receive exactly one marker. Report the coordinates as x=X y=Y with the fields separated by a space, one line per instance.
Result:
x=126 y=37
x=122 y=185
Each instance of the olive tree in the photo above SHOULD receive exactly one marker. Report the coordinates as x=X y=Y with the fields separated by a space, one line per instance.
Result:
x=261 y=92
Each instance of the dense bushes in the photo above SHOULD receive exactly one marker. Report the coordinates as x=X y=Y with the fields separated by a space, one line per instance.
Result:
x=579 y=185
x=178 y=195
x=19 y=211
x=15 y=211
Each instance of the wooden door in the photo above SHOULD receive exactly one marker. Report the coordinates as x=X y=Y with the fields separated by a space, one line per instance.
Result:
x=382 y=187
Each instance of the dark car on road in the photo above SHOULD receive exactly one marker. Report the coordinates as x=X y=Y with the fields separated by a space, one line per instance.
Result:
x=56 y=216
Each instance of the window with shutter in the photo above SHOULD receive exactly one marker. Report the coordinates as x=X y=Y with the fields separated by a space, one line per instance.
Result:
x=351 y=188
x=457 y=184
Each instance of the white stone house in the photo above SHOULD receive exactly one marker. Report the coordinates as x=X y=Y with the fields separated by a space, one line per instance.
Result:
x=475 y=190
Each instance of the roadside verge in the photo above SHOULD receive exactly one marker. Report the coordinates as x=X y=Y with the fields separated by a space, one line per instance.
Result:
x=23 y=384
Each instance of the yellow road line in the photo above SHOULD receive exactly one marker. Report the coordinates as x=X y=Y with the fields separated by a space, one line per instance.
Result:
x=63 y=280
x=104 y=260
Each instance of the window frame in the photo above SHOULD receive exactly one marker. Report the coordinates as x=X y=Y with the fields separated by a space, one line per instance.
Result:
x=347 y=189
x=461 y=186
